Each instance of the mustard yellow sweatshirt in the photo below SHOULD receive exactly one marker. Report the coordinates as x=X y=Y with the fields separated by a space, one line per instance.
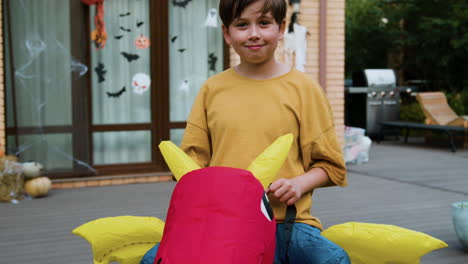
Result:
x=234 y=118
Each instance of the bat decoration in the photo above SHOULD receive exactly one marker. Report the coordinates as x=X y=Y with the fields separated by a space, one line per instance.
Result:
x=124 y=15
x=118 y=37
x=181 y=3
x=181 y=50
x=130 y=57
x=140 y=23
x=100 y=71
x=212 y=59
x=126 y=29
x=173 y=39
x=116 y=94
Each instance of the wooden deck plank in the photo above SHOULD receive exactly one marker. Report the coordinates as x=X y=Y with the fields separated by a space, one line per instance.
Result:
x=404 y=185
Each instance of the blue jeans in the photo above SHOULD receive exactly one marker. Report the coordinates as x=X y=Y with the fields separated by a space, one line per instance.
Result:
x=307 y=246
x=148 y=258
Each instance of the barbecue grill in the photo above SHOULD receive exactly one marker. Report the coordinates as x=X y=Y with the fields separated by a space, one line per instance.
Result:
x=372 y=98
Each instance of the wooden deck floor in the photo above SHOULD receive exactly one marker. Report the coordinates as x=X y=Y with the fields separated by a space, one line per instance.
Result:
x=410 y=186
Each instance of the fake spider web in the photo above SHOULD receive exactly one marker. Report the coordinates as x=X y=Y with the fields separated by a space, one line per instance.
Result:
x=39 y=72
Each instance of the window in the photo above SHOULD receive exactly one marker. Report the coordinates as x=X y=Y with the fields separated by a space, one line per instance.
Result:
x=80 y=110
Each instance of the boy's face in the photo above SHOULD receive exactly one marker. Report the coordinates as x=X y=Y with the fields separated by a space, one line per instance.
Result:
x=253 y=35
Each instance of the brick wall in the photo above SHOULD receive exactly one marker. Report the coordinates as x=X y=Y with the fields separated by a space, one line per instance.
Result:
x=335 y=39
x=2 y=85
x=336 y=60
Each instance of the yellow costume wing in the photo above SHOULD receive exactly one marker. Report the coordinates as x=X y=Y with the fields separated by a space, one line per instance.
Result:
x=123 y=239
x=380 y=244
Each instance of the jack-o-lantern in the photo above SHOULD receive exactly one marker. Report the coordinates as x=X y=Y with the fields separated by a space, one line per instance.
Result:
x=142 y=42
x=38 y=187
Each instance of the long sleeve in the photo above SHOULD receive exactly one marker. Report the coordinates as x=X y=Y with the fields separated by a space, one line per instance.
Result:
x=319 y=144
x=196 y=140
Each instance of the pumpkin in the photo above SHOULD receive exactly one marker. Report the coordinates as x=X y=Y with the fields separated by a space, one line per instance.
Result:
x=142 y=42
x=38 y=187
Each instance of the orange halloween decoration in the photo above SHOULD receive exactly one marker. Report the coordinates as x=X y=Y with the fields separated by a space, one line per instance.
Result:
x=142 y=42
x=99 y=35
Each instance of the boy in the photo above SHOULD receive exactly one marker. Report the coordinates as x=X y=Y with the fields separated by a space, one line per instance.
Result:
x=239 y=112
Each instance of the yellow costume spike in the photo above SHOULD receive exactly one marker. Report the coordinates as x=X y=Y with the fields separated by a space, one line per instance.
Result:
x=123 y=239
x=179 y=162
x=266 y=165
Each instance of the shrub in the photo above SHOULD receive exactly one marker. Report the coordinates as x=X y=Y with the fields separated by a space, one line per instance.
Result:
x=456 y=103
x=412 y=112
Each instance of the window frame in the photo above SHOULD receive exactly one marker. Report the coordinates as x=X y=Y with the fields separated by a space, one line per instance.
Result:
x=82 y=128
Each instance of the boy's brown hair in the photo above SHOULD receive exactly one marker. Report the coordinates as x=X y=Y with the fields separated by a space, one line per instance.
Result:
x=229 y=10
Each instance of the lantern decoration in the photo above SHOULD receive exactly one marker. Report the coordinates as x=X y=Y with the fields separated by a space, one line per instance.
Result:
x=142 y=42
x=38 y=187
x=99 y=34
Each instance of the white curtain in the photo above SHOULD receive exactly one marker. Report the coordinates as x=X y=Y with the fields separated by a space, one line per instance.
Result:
x=113 y=69
x=191 y=42
x=39 y=66
x=125 y=22
x=44 y=68
x=196 y=53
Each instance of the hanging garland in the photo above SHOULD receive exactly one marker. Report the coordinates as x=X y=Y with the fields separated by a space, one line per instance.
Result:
x=99 y=34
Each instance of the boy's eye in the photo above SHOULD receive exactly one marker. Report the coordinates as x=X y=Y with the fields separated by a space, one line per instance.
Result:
x=265 y=22
x=241 y=25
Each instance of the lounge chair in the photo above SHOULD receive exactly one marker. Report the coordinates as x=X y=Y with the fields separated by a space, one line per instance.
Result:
x=439 y=117
x=438 y=111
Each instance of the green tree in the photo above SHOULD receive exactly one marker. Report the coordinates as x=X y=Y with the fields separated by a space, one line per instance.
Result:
x=369 y=35
x=430 y=35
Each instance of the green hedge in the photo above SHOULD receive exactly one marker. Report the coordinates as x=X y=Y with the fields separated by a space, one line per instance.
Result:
x=412 y=112
x=459 y=102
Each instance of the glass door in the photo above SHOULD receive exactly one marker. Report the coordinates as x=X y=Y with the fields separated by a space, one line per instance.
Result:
x=39 y=71
x=124 y=92
x=81 y=109
x=196 y=48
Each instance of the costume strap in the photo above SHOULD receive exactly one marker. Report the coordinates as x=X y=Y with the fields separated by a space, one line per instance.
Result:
x=288 y=226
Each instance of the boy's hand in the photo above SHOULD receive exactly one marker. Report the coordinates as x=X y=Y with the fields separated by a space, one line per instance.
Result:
x=286 y=190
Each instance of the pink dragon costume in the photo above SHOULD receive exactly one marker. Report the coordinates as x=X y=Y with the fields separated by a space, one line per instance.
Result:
x=217 y=215
x=220 y=215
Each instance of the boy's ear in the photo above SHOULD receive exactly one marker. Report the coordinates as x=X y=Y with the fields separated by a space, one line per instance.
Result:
x=282 y=28
x=227 y=38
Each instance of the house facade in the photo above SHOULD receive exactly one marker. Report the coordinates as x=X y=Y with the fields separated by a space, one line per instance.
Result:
x=83 y=107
